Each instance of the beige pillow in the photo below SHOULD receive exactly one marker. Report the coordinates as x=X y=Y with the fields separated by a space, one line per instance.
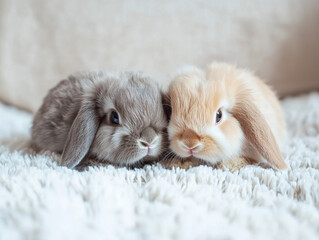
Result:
x=43 y=41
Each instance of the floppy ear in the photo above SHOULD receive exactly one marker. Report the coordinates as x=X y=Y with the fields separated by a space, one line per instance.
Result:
x=80 y=136
x=258 y=132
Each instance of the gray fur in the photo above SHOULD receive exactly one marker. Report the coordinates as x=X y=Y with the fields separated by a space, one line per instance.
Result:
x=74 y=118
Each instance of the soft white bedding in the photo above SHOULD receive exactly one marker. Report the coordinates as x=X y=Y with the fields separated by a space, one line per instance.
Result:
x=40 y=200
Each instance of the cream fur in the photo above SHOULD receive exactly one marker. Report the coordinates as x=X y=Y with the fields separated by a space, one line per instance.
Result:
x=252 y=107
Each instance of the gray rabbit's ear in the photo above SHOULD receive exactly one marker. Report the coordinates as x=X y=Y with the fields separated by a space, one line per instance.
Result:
x=81 y=136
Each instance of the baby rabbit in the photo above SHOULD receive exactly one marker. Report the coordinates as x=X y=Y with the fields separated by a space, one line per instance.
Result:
x=113 y=117
x=225 y=115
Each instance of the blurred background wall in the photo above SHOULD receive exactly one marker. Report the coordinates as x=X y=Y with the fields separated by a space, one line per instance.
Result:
x=42 y=42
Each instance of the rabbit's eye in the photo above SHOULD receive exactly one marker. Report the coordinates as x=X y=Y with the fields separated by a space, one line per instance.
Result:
x=115 y=118
x=219 y=116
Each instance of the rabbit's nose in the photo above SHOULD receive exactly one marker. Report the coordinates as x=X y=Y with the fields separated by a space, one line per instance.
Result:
x=146 y=145
x=191 y=145
x=148 y=135
x=190 y=141
x=143 y=144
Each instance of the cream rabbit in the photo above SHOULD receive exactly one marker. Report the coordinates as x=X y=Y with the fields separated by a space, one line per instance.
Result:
x=225 y=115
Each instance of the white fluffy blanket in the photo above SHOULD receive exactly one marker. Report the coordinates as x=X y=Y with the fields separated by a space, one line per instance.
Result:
x=40 y=200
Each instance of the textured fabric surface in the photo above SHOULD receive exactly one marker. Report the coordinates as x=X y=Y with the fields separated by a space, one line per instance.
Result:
x=44 y=41
x=40 y=200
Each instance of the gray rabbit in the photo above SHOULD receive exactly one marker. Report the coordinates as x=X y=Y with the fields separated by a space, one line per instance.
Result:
x=113 y=117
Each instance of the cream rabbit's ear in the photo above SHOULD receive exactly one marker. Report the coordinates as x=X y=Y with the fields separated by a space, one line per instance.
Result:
x=81 y=136
x=258 y=132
